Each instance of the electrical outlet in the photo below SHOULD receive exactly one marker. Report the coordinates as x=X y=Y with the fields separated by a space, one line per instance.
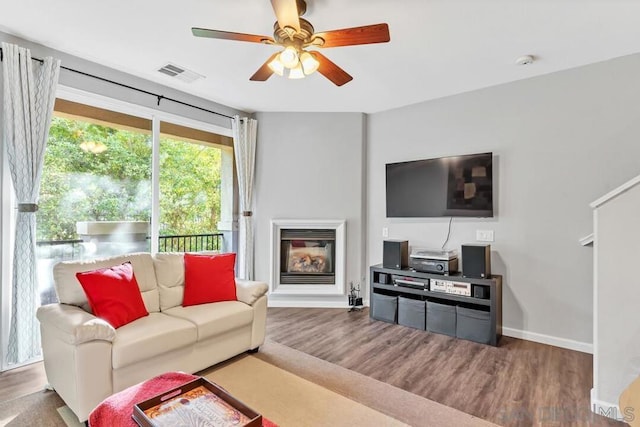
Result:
x=484 y=235
x=385 y=232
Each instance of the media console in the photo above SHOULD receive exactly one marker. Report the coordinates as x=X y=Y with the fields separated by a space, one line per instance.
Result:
x=454 y=305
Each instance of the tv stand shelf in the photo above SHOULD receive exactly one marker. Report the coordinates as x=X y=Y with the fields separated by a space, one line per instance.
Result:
x=489 y=309
x=435 y=295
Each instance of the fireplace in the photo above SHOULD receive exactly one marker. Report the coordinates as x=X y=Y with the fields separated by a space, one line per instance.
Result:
x=308 y=256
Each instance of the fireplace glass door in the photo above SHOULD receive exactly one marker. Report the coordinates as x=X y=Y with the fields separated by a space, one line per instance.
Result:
x=307 y=256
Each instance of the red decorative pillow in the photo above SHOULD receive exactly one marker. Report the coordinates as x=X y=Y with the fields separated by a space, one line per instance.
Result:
x=113 y=294
x=209 y=278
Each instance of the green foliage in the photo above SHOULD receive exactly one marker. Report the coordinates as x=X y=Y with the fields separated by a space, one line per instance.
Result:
x=115 y=185
x=189 y=188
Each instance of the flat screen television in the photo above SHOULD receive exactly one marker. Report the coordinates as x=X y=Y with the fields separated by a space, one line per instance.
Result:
x=460 y=186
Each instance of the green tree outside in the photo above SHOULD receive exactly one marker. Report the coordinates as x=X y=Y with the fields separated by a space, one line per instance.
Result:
x=115 y=185
x=189 y=188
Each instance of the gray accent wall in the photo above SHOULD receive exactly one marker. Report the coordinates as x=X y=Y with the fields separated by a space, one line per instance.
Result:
x=560 y=141
x=310 y=166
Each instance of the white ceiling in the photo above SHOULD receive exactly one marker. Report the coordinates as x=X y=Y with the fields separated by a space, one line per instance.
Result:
x=437 y=48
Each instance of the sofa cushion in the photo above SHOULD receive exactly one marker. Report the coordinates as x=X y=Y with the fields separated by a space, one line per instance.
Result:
x=70 y=292
x=150 y=336
x=113 y=294
x=169 y=269
x=209 y=278
x=213 y=319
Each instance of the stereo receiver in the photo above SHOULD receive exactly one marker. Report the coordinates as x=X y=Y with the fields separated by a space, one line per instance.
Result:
x=434 y=261
x=451 y=287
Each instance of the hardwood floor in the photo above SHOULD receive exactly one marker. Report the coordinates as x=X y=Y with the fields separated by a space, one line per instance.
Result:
x=22 y=381
x=518 y=383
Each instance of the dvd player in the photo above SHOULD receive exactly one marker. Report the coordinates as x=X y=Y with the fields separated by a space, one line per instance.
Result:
x=410 y=282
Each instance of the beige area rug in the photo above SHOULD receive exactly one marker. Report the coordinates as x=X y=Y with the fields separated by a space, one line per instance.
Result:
x=289 y=400
x=287 y=386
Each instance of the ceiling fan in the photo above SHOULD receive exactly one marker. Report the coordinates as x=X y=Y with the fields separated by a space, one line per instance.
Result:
x=295 y=35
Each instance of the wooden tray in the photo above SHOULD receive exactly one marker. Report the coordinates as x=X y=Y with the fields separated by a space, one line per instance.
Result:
x=198 y=402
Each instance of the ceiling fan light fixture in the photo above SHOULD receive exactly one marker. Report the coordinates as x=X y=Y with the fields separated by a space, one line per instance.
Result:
x=309 y=63
x=296 y=72
x=294 y=34
x=289 y=57
x=276 y=66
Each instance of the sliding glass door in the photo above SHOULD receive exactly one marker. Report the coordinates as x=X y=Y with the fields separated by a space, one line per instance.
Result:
x=190 y=189
x=116 y=183
x=95 y=195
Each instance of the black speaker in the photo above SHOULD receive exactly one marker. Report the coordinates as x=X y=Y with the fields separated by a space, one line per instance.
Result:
x=476 y=261
x=395 y=254
x=481 y=292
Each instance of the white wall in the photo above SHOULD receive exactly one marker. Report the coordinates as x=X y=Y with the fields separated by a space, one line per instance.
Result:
x=310 y=166
x=617 y=341
x=560 y=141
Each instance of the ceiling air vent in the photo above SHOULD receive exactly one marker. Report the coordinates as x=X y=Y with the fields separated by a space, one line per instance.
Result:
x=180 y=73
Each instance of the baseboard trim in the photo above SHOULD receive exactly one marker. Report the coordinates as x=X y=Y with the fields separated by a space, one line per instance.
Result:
x=607 y=409
x=548 y=339
x=307 y=304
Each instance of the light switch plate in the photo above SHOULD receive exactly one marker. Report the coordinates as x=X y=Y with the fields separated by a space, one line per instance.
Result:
x=484 y=235
x=385 y=232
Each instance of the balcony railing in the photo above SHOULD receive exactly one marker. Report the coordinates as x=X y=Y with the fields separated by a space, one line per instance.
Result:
x=62 y=250
x=59 y=249
x=190 y=243
x=49 y=252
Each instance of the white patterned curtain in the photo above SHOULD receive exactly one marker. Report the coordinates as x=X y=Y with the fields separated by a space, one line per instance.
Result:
x=244 y=145
x=29 y=95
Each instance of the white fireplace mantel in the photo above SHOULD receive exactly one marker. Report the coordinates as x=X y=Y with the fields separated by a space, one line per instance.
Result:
x=338 y=287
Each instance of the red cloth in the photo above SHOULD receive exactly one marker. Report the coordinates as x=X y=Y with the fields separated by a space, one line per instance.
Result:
x=116 y=410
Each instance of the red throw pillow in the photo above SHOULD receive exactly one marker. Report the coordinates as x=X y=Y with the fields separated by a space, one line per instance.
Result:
x=209 y=278
x=113 y=294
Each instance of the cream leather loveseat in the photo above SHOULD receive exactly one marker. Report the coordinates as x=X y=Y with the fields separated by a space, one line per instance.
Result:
x=87 y=360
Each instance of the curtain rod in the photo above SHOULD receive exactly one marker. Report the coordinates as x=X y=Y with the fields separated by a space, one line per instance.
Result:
x=159 y=97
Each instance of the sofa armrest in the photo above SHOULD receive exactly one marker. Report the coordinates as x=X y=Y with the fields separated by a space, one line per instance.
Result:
x=248 y=291
x=73 y=325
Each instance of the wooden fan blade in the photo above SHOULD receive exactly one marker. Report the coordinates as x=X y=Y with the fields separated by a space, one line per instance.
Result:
x=378 y=33
x=286 y=13
x=330 y=70
x=226 y=35
x=264 y=72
